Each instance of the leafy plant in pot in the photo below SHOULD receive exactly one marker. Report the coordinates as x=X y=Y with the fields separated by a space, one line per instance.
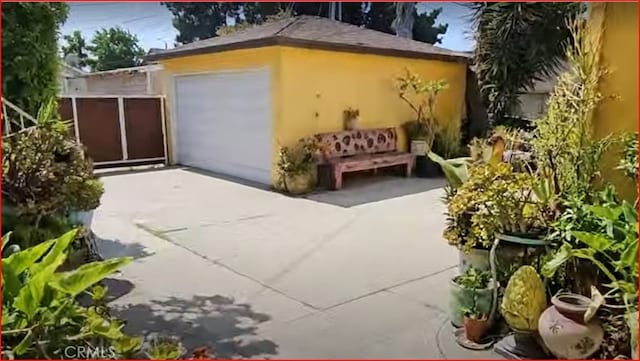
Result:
x=351 y=118
x=421 y=97
x=296 y=166
x=471 y=292
x=47 y=174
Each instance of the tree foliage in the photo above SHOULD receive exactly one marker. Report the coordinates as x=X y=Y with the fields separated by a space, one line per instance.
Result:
x=518 y=44
x=114 y=48
x=196 y=21
x=77 y=46
x=30 y=52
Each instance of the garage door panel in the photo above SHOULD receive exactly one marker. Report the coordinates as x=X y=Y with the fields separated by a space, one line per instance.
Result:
x=224 y=123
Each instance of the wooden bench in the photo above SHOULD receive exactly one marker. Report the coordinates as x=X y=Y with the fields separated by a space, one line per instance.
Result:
x=365 y=149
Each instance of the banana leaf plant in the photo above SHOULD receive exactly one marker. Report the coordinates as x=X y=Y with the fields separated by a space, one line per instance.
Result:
x=40 y=312
x=456 y=170
x=612 y=248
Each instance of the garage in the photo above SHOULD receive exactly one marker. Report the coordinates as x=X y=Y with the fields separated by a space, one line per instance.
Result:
x=223 y=123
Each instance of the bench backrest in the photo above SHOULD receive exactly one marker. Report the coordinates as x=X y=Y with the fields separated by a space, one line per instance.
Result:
x=356 y=142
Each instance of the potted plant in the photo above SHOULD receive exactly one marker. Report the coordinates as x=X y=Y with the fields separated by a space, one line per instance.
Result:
x=297 y=166
x=475 y=325
x=164 y=348
x=471 y=292
x=421 y=97
x=351 y=119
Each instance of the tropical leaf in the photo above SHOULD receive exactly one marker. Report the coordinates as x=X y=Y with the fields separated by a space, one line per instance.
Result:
x=597 y=241
x=57 y=254
x=75 y=282
x=596 y=301
x=19 y=262
x=29 y=297
x=455 y=170
x=559 y=258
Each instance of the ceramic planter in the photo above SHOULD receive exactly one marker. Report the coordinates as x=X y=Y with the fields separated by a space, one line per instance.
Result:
x=418 y=147
x=563 y=330
x=81 y=218
x=461 y=298
x=425 y=167
x=476 y=258
x=475 y=328
x=351 y=123
x=301 y=183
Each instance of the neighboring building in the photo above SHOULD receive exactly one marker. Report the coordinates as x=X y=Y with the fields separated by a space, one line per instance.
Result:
x=234 y=99
x=617 y=24
x=67 y=75
x=533 y=103
x=141 y=80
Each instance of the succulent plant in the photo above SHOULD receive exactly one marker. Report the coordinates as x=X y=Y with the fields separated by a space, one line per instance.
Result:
x=524 y=300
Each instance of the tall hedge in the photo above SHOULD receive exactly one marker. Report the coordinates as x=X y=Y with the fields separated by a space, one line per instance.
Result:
x=30 y=61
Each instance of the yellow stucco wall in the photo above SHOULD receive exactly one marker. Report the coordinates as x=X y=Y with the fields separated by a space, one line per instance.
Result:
x=312 y=88
x=319 y=85
x=618 y=24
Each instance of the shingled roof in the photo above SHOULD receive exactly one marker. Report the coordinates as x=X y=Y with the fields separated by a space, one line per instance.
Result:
x=315 y=33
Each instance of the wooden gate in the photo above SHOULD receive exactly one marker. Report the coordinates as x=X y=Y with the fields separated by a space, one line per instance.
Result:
x=119 y=129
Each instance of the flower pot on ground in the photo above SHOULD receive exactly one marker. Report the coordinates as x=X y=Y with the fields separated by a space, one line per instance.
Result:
x=470 y=291
x=300 y=183
x=425 y=167
x=475 y=326
x=565 y=329
x=297 y=167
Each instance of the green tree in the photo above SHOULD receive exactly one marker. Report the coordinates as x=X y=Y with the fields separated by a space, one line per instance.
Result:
x=196 y=21
x=114 y=48
x=425 y=28
x=30 y=63
x=76 y=45
x=518 y=44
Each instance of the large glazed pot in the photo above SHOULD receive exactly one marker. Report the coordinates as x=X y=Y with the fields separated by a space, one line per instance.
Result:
x=563 y=330
x=81 y=219
x=461 y=298
x=476 y=258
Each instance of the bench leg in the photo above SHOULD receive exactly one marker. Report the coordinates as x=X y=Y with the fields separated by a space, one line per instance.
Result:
x=337 y=179
x=409 y=169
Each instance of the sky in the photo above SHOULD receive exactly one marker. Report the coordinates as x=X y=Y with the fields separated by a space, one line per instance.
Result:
x=151 y=22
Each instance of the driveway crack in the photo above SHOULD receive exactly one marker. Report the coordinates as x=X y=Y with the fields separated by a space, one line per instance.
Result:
x=217 y=263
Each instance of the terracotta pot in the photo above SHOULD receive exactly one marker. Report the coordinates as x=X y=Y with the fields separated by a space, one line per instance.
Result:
x=563 y=330
x=351 y=123
x=474 y=328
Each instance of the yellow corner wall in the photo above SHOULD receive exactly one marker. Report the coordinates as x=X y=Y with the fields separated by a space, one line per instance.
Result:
x=312 y=88
x=319 y=85
x=618 y=24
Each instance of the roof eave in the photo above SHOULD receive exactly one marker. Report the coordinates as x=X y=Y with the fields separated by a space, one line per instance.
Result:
x=310 y=44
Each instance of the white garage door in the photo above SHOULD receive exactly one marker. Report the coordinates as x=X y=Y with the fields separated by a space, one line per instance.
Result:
x=223 y=123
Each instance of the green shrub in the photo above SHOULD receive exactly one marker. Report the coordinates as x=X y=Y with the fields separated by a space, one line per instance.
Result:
x=44 y=172
x=40 y=313
x=629 y=162
x=494 y=199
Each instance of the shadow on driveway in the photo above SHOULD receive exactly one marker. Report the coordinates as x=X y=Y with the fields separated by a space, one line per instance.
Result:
x=366 y=188
x=226 y=327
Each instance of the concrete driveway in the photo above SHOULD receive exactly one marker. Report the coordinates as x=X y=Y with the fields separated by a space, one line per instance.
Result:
x=358 y=273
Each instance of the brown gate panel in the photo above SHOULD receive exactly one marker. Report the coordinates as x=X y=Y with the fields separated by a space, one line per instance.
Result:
x=99 y=125
x=143 y=124
x=65 y=109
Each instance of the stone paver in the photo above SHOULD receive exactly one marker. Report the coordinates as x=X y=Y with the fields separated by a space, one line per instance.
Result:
x=349 y=274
